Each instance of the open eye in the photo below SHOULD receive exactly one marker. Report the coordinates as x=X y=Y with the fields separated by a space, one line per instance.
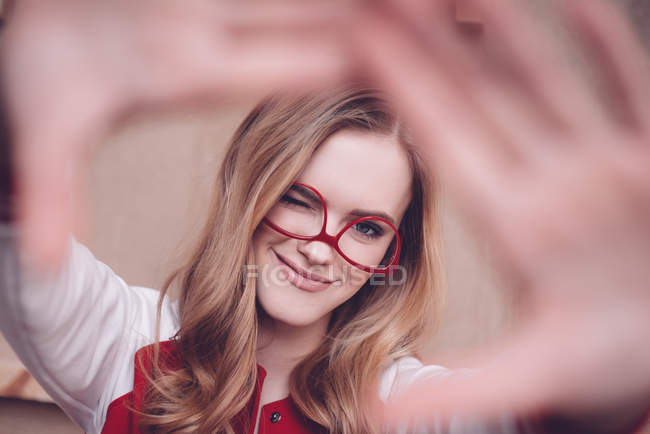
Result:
x=368 y=229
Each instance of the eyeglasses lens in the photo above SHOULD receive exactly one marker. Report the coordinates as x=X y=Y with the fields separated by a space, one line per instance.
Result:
x=370 y=242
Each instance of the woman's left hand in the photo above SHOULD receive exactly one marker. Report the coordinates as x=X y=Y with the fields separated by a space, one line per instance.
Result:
x=71 y=70
x=555 y=172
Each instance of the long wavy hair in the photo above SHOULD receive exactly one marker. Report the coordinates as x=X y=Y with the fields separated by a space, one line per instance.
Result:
x=333 y=386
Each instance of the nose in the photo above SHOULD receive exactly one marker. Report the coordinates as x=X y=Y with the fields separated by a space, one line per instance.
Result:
x=317 y=252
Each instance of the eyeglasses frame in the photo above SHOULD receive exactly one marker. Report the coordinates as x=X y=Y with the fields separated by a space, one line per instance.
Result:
x=333 y=240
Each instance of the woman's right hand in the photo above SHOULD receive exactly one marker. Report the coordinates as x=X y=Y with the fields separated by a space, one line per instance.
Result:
x=72 y=68
x=558 y=182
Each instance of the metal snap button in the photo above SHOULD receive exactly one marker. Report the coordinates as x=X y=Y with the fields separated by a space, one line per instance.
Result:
x=275 y=417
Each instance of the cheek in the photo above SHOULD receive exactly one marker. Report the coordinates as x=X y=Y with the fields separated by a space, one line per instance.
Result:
x=352 y=280
x=341 y=291
x=263 y=240
x=288 y=304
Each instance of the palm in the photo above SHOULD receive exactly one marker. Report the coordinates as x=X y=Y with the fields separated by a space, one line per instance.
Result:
x=71 y=69
x=554 y=178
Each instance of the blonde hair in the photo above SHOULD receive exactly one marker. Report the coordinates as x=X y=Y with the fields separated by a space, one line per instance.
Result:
x=336 y=384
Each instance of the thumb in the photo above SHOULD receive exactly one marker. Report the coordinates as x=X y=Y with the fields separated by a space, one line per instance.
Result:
x=48 y=157
x=509 y=380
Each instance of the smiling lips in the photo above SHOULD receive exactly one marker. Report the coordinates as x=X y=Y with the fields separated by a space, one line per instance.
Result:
x=302 y=278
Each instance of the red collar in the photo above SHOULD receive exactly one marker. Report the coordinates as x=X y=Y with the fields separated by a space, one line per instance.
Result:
x=277 y=417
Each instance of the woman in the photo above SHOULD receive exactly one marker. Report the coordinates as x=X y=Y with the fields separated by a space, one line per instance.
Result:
x=81 y=398
x=322 y=339
x=257 y=303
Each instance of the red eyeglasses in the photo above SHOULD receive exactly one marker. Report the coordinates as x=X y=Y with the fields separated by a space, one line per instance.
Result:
x=370 y=243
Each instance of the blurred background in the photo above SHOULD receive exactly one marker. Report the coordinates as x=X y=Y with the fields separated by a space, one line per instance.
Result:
x=147 y=190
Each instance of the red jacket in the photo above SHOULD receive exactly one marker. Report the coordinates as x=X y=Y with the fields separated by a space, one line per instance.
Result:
x=278 y=417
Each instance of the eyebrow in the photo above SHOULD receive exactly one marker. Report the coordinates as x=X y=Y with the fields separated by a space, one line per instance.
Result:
x=355 y=212
x=366 y=213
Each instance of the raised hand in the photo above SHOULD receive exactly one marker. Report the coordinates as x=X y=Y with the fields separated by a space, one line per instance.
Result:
x=72 y=68
x=552 y=166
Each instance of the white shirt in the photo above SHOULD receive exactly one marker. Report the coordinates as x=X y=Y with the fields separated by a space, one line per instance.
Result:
x=77 y=331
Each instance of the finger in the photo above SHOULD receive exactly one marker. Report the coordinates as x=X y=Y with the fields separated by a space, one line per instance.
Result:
x=44 y=203
x=518 y=378
x=540 y=60
x=248 y=68
x=455 y=137
x=48 y=159
x=282 y=15
x=550 y=365
x=205 y=61
x=618 y=53
x=287 y=62
x=427 y=16
x=435 y=25
x=290 y=43
x=519 y=121
x=52 y=104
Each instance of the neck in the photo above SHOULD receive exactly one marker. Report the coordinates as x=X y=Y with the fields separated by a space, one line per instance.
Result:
x=281 y=346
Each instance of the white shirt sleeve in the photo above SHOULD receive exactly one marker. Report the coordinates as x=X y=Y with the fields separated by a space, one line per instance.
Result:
x=409 y=371
x=77 y=330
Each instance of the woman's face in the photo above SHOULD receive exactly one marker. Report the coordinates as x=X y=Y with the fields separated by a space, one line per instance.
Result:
x=353 y=170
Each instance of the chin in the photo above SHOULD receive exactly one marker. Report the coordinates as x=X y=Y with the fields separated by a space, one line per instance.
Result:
x=290 y=305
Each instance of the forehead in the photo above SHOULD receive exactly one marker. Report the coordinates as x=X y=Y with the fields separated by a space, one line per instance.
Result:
x=359 y=169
